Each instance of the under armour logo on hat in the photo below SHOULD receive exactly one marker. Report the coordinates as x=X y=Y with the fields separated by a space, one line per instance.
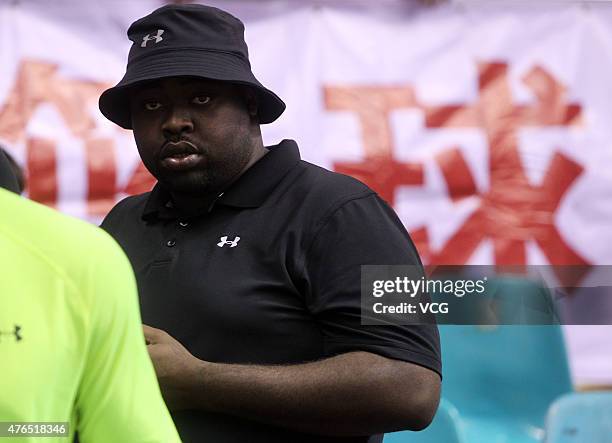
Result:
x=147 y=38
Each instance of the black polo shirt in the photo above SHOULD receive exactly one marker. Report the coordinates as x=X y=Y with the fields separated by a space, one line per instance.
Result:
x=270 y=274
x=8 y=180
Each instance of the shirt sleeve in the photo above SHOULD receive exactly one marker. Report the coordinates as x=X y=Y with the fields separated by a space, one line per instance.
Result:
x=363 y=231
x=119 y=398
x=8 y=180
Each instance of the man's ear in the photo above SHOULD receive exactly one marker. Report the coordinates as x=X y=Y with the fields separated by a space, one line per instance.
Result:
x=251 y=100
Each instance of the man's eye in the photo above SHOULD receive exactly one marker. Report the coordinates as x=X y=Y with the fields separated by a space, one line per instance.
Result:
x=152 y=106
x=201 y=99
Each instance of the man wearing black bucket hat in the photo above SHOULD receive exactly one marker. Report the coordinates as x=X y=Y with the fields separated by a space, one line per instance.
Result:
x=248 y=258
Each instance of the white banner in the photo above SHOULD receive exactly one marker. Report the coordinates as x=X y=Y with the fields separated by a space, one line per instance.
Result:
x=488 y=128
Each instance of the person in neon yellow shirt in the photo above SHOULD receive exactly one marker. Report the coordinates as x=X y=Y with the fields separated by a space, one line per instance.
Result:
x=71 y=342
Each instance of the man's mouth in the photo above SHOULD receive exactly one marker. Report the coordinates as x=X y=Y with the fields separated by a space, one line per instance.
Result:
x=180 y=155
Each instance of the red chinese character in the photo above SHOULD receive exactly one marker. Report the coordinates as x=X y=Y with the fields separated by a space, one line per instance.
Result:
x=512 y=211
x=40 y=82
x=379 y=169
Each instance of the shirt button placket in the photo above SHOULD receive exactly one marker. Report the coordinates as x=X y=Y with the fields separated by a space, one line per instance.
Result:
x=172 y=242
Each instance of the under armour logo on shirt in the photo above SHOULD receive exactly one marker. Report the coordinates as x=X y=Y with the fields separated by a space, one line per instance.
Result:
x=147 y=38
x=233 y=243
x=15 y=333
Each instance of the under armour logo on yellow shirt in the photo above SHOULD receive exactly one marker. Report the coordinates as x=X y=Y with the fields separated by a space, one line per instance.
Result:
x=15 y=333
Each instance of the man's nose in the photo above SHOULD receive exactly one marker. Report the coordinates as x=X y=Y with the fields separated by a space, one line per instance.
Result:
x=177 y=123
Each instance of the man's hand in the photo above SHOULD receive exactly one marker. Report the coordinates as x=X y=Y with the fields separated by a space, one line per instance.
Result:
x=356 y=393
x=175 y=366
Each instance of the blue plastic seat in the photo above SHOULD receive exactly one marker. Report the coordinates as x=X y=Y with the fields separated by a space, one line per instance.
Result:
x=499 y=381
x=502 y=379
x=445 y=428
x=580 y=418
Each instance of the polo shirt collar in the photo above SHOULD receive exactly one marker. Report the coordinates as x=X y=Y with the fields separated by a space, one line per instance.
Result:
x=257 y=183
x=249 y=191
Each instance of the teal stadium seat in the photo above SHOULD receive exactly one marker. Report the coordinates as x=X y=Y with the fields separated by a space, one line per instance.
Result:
x=580 y=418
x=499 y=381
x=502 y=379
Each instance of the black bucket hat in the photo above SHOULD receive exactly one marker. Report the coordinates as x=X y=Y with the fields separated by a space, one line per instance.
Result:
x=187 y=40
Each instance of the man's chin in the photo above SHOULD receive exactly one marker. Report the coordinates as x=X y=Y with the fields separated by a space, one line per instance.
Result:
x=195 y=183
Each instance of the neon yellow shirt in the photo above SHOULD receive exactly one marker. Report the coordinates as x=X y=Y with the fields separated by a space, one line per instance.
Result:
x=71 y=342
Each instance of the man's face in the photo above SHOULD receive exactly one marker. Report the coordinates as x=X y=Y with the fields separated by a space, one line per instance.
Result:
x=192 y=134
